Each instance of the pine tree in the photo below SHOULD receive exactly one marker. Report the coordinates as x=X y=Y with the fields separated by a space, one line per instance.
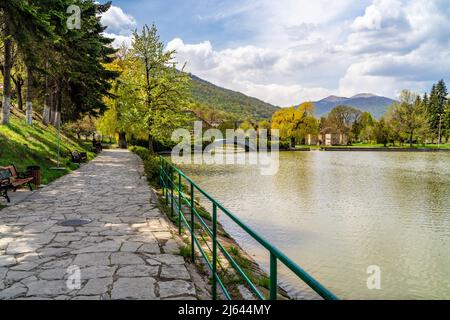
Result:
x=23 y=25
x=436 y=109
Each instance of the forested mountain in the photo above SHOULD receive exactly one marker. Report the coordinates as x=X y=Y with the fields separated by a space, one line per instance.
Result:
x=376 y=105
x=230 y=101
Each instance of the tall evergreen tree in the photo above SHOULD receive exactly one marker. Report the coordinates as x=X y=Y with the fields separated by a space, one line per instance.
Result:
x=436 y=109
x=22 y=24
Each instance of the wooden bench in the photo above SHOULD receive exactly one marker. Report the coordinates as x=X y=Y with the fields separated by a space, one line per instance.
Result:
x=10 y=178
x=79 y=157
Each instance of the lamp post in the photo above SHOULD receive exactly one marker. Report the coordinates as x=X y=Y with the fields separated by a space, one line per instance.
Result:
x=58 y=167
x=440 y=128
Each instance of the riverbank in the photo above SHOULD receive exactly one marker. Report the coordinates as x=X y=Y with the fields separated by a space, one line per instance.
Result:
x=236 y=286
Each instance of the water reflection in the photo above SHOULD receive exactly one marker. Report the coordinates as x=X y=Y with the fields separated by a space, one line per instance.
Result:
x=337 y=213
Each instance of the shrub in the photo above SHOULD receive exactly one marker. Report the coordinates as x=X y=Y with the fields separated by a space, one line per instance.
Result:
x=151 y=163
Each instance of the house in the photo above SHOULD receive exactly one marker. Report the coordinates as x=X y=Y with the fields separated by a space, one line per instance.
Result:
x=327 y=137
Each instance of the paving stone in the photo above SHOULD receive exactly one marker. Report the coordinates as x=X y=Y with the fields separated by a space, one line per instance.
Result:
x=107 y=246
x=125 y=258
x=171 y=247
x=169 y=259
x=28 y=280
x=97 y=272
x=150 y=248
x=17 y=275
x=175 y=272
x=134 y=288
x=96 y=287
x=84 y=298
x=13 y=292
x=68 y=237
x=6 y=261
x=53 y=274
x=4 y=242
x=92 y=259
x=3 y=272
x=175 y=288
x=47 y=288
x=163 y=235
x=130 y=246
x=63 y=263
x=138 y=271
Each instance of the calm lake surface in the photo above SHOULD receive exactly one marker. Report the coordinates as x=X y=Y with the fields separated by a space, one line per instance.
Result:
x=336 y=213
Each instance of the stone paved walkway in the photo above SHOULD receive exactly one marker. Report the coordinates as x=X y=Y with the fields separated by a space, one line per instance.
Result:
x=127 y=252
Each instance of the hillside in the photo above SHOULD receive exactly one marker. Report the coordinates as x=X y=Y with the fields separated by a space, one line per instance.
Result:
x=230 y=101
x=25 y=145
x=376 y=105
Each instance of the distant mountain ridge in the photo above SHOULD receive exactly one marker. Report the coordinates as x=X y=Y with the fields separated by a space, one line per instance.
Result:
x=230 y=101
x=376 y=105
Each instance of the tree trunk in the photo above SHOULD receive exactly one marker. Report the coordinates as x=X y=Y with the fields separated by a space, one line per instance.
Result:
x=29 y=103
x=6 y=73
x=411 y=139
x=19 y=95
x=123 y=140
x=150 y=143
x=292 y=142
x=46 y=113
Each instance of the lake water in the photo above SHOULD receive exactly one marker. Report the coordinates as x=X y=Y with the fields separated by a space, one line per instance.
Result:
x=337 y=213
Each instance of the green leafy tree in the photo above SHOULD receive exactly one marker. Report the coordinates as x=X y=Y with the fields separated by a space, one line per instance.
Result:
x=436 y=108
x=163 y=90
x=342 y=118
x=382 y=132
x=295 y=124
x=408 y=116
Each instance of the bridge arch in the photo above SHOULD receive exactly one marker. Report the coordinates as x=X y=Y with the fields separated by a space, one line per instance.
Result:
x=247 y=145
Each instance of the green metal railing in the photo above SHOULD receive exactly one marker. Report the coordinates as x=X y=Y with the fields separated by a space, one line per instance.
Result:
x=176 y=196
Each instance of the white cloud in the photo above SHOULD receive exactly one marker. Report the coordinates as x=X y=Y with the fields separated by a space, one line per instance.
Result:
x=119 y=26
x=297 y=50
x=251 y=70
x=398 y=45
x=117 y=20
x=119 y=40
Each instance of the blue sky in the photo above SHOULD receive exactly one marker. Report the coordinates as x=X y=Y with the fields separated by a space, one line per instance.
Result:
x=288 y=51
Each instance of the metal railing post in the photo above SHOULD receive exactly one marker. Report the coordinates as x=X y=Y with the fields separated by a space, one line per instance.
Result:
x=273 y=277
x=214 y=254
x=166 y=176
x=192 y=224
x=161 y=174
x=179 y=203
x=171 y=191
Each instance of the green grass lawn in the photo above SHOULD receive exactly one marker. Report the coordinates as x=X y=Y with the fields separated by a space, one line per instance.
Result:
x=367 y=145
x=24 y=145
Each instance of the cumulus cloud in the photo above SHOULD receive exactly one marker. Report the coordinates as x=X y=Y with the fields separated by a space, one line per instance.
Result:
x=120 y=40
x=251 y=70
x=119 y=26
x=400 y=44
x=117 y=20
x=297 y=50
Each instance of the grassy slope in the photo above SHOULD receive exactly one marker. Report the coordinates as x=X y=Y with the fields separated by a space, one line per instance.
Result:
x=25 y=145
x=230 y=101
